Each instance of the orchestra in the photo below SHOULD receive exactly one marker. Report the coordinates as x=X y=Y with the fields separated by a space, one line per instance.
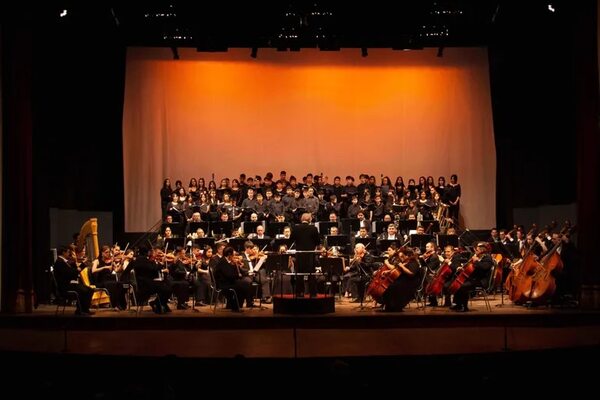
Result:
x=192 y=263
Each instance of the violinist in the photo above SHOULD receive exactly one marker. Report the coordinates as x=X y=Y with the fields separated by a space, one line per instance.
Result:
x=66 y=274
x=482 y=261
x=253 y=260
x=146 y=272
x=430 y=262
x=357 y=272
x=178 y=273
x=228 y=276
x=401 y=291
x=200 y=274
x=103 y=271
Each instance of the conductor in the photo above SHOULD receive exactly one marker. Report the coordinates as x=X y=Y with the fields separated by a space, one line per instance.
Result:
x=306 y=237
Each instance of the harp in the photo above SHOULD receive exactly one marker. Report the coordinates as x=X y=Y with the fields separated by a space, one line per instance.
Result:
x=89 y=231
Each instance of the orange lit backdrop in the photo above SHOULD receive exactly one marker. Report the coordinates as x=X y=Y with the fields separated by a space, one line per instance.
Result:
x=392 y=113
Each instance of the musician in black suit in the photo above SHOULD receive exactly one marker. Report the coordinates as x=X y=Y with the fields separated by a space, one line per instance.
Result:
x=147 y=276
x=67 y=278
x=306 y=237
x=483 y=263
x=228 y=276
x=453 y=259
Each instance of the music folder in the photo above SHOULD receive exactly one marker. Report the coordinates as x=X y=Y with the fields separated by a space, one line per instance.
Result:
x=350 y=225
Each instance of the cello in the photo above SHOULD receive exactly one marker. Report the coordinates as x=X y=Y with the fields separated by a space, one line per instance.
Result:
x=439 y=279
x=383 y=278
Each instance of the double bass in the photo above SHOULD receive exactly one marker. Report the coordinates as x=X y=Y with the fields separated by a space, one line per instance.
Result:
x=544 y=283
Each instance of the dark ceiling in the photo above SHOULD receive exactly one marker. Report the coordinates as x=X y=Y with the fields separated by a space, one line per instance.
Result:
x=283 y=24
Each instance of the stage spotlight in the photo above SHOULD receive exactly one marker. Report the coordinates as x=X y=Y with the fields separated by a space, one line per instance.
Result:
x=364 y=52
x=440 y=52
x=175 y=53
x=254 y=52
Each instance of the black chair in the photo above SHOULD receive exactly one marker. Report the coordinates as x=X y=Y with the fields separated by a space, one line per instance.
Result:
x=485 y=291
x=63 y=299
x=217 y=293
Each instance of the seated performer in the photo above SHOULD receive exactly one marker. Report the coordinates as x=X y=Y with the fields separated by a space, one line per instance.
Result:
x=482 y=262
x=402 y=290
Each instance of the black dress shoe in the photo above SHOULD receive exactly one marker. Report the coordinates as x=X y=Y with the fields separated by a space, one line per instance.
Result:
x=455 y=307
x=155 y=307
x=268 y=300
x=432 y=304
x=182 y=306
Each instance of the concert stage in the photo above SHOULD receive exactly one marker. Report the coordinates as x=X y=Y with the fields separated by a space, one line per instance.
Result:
x=298 y=305
x=349 y=332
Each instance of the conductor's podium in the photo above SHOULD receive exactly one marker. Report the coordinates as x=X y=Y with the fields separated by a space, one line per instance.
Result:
x=303 y=304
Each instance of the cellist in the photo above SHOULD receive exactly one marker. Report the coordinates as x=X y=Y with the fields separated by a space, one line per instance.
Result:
x=402 y=290
x=482 y=263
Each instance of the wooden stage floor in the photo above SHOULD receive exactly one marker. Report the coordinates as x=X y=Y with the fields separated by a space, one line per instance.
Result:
x=258 y=333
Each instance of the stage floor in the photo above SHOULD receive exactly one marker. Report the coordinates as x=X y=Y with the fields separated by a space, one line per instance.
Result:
x=350 y=331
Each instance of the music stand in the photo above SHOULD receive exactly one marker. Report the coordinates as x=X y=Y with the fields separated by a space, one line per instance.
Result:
x=350 y=225
x=276 y=265
x=447 y=240
x=407 y=225
x=193 y=227
x=176 y=214
x=276 y=228
x=278 y=242
x=341 y=241
x=205 y=241
x=500 y=248
x=237 y=244
x=174 y=242
x=221 y=228
x=176 y=229
x=420 y=241
x=384 y=244
x=370 y=243
x=250 y=226
x=324 y=227
x=261 y=243
x=435 y=225
x=331 y=266
x=380 y=226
